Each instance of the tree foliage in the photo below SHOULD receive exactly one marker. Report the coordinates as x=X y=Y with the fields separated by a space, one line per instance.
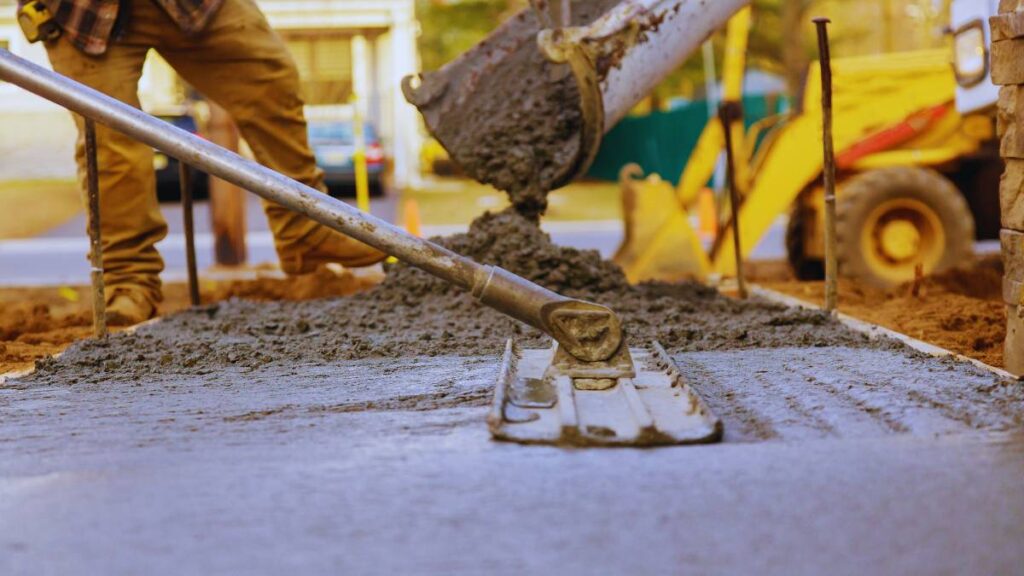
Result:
x=450 y=27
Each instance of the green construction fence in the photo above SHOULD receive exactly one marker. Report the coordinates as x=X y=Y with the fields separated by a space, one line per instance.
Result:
x=661 y=142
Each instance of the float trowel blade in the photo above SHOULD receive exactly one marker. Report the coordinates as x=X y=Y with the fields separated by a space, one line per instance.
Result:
x=538 y=401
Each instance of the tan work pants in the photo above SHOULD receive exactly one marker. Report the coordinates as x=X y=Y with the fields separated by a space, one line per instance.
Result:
x=239 y=63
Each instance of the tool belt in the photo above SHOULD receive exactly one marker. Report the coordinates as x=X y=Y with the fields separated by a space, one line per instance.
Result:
x=37 y=23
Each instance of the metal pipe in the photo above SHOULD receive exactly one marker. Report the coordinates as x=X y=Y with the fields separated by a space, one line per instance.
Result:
x=622 y=56
x=647 y=40
x=831 y=240
x=506 y=292
x=92 y=178
x=188 y=216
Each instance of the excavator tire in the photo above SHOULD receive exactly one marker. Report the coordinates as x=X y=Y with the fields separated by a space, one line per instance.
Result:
x=803 y=266
x=890 y=221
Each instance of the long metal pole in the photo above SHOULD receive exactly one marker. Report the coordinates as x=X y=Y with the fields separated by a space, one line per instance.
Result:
x=188 y=216
x=831 y=247
x=494 y=287
x=99 y=299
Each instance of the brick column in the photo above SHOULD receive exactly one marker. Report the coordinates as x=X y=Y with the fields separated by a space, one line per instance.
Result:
x=1008 y=72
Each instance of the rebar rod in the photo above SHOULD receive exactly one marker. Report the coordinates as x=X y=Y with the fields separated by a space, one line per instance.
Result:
x=92 y=178
x=831 y=240
x=188 y=216
x=727 y=114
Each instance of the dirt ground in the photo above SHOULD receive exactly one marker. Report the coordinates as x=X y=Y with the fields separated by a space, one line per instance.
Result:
x=961 y=310
x=40 y=322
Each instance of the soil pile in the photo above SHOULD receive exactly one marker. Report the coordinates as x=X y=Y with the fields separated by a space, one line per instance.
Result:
x=508 y=116
x=961 y=310
x=413 y=314
x=32 y=330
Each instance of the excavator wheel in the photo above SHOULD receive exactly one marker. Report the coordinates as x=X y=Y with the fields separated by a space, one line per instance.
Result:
x=804 y=267
x=892 y=220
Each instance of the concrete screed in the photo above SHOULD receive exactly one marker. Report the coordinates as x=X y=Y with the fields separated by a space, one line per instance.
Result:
x=348 y=436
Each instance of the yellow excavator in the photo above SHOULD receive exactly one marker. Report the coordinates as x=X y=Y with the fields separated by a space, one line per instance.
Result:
x=913 y=173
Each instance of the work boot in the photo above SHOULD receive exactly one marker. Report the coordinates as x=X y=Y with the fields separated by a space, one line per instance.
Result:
x=127 y=307
x=336 y=249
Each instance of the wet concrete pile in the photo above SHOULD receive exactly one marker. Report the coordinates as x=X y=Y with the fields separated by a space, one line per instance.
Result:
x=414 y=314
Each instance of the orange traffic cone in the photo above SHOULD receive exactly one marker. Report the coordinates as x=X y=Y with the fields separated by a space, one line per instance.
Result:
x=707 y=215
x=411 y=217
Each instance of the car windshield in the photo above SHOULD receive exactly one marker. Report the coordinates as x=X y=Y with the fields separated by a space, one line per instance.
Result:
x=337 y=132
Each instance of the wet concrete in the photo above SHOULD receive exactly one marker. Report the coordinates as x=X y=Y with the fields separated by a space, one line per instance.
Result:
x=385 y=466
x=413 y=313
x=348 y=436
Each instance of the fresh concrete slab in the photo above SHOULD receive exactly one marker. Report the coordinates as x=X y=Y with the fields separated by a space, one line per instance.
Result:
x=836 y=460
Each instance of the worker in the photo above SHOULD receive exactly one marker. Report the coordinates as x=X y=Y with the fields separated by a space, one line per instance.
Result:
x=227 y=51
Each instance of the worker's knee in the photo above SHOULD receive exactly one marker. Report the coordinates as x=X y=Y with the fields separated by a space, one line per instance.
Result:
x=274 y=92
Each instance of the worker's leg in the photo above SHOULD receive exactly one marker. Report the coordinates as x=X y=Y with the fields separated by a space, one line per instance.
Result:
x=244 y=66
x=131 y=223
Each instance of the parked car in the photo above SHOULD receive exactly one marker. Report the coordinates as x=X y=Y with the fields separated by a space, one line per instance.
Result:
x=168 y=177
x=333 y=143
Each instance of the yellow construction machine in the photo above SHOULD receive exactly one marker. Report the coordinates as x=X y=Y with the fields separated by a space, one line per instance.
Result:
x=911 y=169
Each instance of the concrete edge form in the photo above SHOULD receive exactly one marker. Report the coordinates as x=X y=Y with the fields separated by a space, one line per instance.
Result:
x=874 y=331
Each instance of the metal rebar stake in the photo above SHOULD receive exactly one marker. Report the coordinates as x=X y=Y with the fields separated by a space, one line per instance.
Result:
x=99 y=300
x=831 y=248
x=188 y=213
x=727 y=114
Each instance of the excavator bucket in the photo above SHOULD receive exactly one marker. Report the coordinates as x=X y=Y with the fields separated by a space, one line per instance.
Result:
x=660 y=242
x=639 y=399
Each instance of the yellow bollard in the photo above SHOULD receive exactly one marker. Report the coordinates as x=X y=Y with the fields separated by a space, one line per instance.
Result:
x=359 y=159
x=707 y=214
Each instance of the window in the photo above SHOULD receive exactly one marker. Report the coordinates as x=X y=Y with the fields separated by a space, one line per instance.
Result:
x=970 y=60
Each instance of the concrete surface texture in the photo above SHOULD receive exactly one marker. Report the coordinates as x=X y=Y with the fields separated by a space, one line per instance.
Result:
x=839 y=461
x=348 y=436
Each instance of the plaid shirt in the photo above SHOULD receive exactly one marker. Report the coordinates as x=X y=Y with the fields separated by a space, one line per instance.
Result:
x=89 y=24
